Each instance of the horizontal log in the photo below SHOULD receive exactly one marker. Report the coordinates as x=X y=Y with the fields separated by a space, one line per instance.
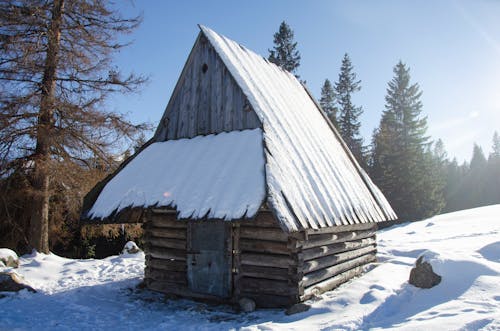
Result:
x=263 y=234
x=166 y=232
x=267 y=260
x=164 y=211
x=167 y=253
x=320 y=251
x=164 y=275
x=330 y=260
x=331 y=283
x=168 y=265
x=165 y=242
x=322 y=274
x=268 y=272
x=176 y=289
x=264 y=246
x=167 y=221
x=343 y=228
x=271 y=300
x=267 y=286
x=263 y=219
x=331 y=238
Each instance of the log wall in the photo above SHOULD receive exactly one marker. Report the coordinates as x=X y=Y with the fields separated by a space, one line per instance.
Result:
x=273 y=268
x=268 y=271
x=332 y=256
x=166 y=255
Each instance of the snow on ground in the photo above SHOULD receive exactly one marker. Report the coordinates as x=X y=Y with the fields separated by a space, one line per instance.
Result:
x=464 y=246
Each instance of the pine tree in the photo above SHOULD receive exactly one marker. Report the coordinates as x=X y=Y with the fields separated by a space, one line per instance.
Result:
x=434 y=182
x=495 y=149
x=284 y=52
x=56 y=73
x=400 y=149
x=348 y=114
x=327 y=102
x=493 y=172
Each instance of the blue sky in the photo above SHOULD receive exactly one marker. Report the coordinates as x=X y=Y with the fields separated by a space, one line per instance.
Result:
x=452 y=48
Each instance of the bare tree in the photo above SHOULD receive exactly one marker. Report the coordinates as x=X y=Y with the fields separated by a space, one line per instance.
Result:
x=56 y=72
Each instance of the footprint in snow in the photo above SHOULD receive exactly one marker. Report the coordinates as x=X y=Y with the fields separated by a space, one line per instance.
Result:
x=491 y=252
x=367 y=298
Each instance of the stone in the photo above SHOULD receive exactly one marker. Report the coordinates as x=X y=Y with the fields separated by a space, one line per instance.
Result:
x=9 y=258
x=423 y=276
x=12 y=282
x=297 y=308
x=247 y=305
x=131 y=248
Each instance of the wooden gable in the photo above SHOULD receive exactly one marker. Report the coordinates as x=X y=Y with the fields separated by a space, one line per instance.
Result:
x=206 y=99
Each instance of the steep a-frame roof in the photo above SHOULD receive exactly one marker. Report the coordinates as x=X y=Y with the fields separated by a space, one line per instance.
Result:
x=311 y=178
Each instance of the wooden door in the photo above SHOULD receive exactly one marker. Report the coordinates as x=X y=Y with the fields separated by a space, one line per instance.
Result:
x=209 y=257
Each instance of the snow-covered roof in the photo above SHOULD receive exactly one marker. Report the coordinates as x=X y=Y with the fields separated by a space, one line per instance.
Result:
x=215 y=176
x=312 y=180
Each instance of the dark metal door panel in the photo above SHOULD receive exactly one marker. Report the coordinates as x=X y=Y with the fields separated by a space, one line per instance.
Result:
x=209 y=257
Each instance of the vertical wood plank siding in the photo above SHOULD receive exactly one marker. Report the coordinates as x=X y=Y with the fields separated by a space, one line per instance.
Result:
x=205 y=101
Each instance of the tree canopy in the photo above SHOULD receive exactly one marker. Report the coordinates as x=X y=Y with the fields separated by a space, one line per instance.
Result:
x=284 y=52
x=56 y=72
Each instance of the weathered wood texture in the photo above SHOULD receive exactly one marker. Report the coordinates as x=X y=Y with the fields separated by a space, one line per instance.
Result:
x=268 y=263
x=331 y=256
x=271 y=267
x=206 y=99
x=165 y=249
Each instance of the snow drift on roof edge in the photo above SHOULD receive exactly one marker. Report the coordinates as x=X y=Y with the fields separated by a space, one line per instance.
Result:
x=311 y=181
x=215 y=176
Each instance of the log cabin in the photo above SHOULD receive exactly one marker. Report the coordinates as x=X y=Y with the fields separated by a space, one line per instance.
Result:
x=246 y=189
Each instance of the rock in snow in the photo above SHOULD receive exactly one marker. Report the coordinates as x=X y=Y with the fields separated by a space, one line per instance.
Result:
x=131 y=248
x=297 y=308
x=422 y=274
x=246 y=305
x=13 y=282
x=9 y=258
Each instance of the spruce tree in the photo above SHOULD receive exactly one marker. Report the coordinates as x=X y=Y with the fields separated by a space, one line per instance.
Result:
x=495 y=149
x=493 y=172
x=327 y=102
x=284 y=52
x=348 y=113
x=401 y=158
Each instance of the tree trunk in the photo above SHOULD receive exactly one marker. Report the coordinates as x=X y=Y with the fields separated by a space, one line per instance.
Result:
x=39 y=223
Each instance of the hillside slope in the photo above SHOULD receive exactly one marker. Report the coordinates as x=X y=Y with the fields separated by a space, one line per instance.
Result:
x=463 y=246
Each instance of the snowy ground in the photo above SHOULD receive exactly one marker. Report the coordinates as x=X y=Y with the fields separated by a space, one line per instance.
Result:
x=101 y=294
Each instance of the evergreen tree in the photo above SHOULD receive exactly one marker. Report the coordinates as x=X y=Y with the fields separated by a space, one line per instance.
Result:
x=493 y=173
x=327 y=102
x=348 y=114
x=284 y=52
x=434 y=182
x=478 y=161
x=495 y=149
x=401 y=160
x=56 y=72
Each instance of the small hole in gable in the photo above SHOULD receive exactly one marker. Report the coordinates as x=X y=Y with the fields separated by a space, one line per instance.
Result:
x=204 y=68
